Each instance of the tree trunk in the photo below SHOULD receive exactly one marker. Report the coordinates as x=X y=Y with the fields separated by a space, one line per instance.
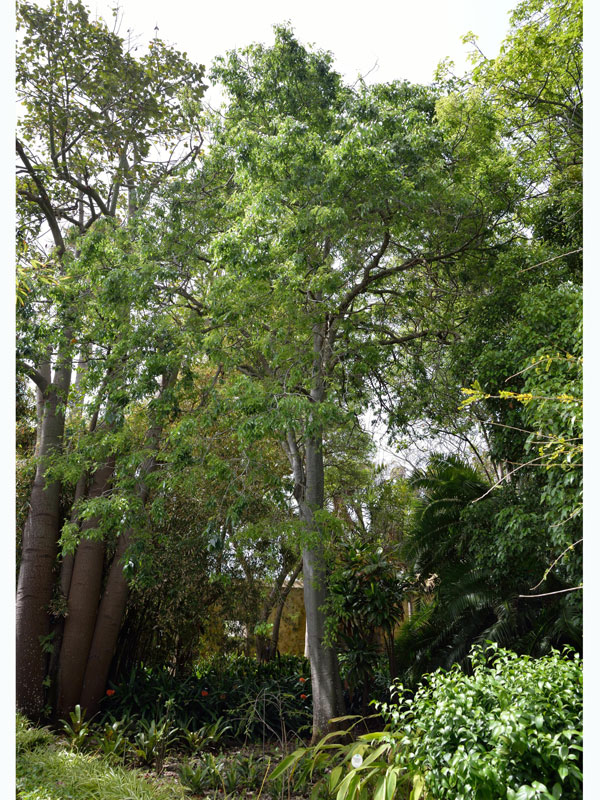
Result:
x=113 y=602
x=58 y=624
x=328 y=699
x=84 y=597
x=106 y=631
x=40 y=542
x=45 y=370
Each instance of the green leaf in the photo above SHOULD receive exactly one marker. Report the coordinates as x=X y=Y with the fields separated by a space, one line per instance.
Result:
x=392 y=779
x=287 y=762
x=381 y=789
x=418 y=787
x=334 y=777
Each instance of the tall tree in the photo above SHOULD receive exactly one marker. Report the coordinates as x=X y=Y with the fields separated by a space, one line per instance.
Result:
x=348 y=216
x=92 y=114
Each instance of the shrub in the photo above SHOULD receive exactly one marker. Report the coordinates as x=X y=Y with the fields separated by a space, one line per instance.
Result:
x=511 y=729
x=255 y=699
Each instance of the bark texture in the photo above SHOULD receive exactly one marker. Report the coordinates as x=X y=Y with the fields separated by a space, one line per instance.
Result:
x=40 y=542
x=113 y=603
x=106 y=631
x=82 y=607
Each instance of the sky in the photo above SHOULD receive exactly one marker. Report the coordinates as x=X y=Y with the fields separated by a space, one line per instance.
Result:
x=389 y=40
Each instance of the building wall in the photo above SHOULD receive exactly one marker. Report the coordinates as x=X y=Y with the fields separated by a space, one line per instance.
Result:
x=293 y=623
x=292 y=631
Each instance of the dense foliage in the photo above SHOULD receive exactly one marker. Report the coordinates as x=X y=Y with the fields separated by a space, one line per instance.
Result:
x=510 y=729
x=253 y=699
x=211 y=305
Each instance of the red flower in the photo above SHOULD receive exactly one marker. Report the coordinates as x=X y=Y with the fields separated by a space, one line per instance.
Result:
x=302 y=680
x=204 y=693
x=221 y=696
x=303 y=696
x=110 y=692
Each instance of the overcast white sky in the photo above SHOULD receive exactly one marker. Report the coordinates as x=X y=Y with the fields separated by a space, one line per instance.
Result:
x=406 y=38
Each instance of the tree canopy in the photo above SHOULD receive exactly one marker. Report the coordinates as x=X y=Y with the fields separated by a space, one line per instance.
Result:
x=210 y=302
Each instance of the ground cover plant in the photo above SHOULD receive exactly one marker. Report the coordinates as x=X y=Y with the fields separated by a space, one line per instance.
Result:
x=50 y=770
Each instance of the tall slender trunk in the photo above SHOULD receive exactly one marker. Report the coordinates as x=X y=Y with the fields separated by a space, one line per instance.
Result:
x=328 y=699
x=45 y=370
x=84 y=597
x=40 y=543
x=309 y=491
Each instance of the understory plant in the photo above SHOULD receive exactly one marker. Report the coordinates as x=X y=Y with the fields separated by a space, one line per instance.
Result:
x=511 y=728
x=47 y=770
x=238 y=772
x=246 y=699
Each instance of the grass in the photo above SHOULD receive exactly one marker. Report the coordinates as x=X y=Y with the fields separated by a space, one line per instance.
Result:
x=49 y=770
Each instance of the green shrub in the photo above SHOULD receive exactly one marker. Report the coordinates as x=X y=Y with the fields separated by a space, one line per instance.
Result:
x=222 y=687
x=510 y=730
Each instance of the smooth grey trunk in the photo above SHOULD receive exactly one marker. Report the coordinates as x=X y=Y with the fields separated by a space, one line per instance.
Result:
x=309 y=491
x=328 y=699
x=40 y=542
x=45 y=370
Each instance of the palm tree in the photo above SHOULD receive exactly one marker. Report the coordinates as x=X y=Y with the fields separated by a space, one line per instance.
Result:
x=461 y=602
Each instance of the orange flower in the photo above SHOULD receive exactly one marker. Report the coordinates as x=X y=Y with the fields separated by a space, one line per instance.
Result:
x=204 y=693
x=302 y=680
x=303 y=696
x=110 y=692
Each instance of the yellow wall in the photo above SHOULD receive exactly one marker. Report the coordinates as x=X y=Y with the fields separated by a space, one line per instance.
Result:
x=293 y=623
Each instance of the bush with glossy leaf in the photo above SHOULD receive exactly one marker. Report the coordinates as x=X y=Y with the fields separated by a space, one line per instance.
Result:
x=511 y=729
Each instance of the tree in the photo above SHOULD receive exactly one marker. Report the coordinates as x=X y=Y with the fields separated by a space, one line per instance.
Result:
x=92 y=112
x=345 y=215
